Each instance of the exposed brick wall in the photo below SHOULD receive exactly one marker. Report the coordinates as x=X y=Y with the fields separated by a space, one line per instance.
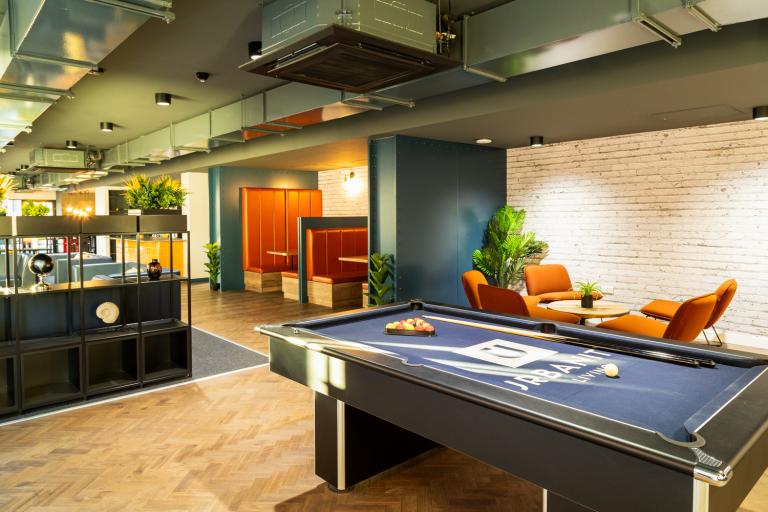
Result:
x=337 y=201
x=667 y=214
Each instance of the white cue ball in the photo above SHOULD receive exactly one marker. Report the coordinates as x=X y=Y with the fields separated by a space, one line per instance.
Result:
x=611 y=370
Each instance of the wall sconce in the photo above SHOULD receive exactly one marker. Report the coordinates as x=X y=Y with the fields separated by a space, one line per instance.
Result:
x=79 y=212
x=352 y=184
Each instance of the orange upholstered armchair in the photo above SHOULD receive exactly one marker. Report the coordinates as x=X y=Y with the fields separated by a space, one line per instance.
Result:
x=666 y=309
x=503 y=300
x=551 y=283
x=471 y=279
x=688 y=321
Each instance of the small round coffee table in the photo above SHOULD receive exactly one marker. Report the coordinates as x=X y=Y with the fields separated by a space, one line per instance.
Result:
x=601 y=309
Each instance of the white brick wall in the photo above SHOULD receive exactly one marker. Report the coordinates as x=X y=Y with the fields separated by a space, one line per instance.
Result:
x=337 y=201
x=667 y=214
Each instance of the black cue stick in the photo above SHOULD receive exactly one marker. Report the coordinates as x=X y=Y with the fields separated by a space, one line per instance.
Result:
x=655 y=355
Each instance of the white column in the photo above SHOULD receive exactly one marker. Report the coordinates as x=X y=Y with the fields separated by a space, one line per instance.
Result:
x=196 y=208
x=101 y=195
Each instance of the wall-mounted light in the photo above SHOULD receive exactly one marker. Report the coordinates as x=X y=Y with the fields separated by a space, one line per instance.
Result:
x=483 y=140
x=71 y=144
x=352 y=184
x=106 y=126
x=760 y=113
x=537 y=141
x=254 y=50
x=162 y=99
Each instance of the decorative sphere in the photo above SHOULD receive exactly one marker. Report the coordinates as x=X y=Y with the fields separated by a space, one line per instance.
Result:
x=40 y=264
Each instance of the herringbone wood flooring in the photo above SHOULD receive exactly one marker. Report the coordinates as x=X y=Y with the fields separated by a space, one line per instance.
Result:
x=239 y=442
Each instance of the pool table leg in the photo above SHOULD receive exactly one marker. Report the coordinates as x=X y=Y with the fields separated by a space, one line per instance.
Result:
x=352 y=446
x=551 y=502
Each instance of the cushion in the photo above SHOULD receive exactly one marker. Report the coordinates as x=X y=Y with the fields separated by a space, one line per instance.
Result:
x=365 y=286
x=551 y=314
x=663 y=309
x=291 y=274
x=636 y=325
x=266 y=269
x=341 y=277
x=531 y=300
x=554 y=296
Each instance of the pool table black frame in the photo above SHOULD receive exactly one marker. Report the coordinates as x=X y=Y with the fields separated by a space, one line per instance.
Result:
x=372 y=412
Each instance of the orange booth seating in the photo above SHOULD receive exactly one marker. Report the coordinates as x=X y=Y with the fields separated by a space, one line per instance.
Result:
x=666 y=309
x=688 y=321
x=551 y=283
x=269 y=223
x=331 y=282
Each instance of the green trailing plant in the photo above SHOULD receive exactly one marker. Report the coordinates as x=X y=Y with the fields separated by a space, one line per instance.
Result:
x=34 y=209
x=588 y=287
x=506 y=248
x=213 y=265
x=162 y=193
x=7 y=185
x=380 y=272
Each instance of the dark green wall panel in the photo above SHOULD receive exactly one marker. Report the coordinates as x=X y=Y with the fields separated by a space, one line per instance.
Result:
x=430 y=202
x=224 y=184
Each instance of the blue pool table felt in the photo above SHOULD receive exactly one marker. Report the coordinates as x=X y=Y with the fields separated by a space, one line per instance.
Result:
x=671 y=399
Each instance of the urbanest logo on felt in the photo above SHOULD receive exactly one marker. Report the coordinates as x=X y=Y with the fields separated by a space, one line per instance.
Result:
x=580 y=368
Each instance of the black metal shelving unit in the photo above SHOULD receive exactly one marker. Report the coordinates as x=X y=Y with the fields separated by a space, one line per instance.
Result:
x=53 y=347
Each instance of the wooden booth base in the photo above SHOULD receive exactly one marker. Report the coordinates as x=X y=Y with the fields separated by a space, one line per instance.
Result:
x=324 y=294
x=262 y=282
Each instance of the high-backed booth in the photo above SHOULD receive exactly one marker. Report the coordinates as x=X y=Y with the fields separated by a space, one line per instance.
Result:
x=331 y=281
x=270 y=233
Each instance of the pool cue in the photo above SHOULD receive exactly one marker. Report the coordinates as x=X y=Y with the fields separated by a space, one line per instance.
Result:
x=638 y=352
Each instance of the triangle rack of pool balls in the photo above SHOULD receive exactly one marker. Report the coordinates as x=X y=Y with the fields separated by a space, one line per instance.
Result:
x=410 y=327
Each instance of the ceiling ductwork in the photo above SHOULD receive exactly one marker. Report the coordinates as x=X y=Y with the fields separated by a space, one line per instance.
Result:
x=47 y=46
x=352 y=45
x=279 y=111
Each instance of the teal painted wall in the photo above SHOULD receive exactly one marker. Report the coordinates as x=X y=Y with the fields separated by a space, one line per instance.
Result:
x=430 y=203
x=224 y=184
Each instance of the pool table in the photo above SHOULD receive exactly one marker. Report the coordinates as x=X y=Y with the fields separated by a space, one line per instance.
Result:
x=532 y=398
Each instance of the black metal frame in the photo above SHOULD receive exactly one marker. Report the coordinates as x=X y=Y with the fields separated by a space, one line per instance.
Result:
x=594 y=461
x=82 y=338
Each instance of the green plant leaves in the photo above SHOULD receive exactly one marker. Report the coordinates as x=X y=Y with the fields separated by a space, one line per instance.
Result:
x=506 y=248
x=380 y=273
x=213 y=266
x=163 y=193
x=34 y=209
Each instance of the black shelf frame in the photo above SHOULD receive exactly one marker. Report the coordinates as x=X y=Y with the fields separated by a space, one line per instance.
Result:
x=85 y=361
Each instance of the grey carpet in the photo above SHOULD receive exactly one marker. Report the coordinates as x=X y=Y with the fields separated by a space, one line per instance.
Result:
x=211 y=355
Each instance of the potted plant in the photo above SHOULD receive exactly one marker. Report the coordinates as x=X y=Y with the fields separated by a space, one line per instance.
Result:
x=506 y=248
x=145 y=196
x=34 y=209
x=379 y=279
x=587 y=290
x=213 y=265
x=7 y=185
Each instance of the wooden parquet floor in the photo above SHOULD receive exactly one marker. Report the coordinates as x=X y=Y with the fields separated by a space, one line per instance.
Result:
x=239 y=442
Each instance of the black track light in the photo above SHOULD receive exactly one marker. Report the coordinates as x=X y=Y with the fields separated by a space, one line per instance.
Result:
x=71 y=144
x=106 y=126
x=537 y=141
x=254 y=50
x=760 y=113
x=163 y=99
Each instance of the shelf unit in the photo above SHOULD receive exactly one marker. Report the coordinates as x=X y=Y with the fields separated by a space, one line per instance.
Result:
x=53 y=347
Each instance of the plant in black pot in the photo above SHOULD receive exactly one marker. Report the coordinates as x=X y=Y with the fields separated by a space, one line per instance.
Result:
x=213 y=265
x=588 y=290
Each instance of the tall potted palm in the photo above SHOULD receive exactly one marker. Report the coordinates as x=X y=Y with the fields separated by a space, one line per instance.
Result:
x=507 y=249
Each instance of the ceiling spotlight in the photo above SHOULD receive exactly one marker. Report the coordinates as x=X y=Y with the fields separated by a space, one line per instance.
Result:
x=760 y=113
x=10 y=144
x=202 y=76
x=254 y=50
x=106 y=126
x=96 y=71
x=483 y=140
x=23 y=167
x=71 y=144
x=163 y=99
x=27 y=129
x=537 y=141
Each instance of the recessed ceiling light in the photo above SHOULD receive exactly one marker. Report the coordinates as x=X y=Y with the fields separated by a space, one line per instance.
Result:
x=760 y=113
x=254 y=50
x=537 y=141
x=71 y=144
x=163 y=99
x=202 y=76
x=483 y=140
x=106 y=126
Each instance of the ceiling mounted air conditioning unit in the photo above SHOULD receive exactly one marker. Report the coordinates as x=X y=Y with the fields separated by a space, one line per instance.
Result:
x=358 y=46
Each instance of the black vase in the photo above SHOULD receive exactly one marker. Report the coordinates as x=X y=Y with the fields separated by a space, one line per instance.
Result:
x=214 y=285
x=154 y=270
x=587 y=301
